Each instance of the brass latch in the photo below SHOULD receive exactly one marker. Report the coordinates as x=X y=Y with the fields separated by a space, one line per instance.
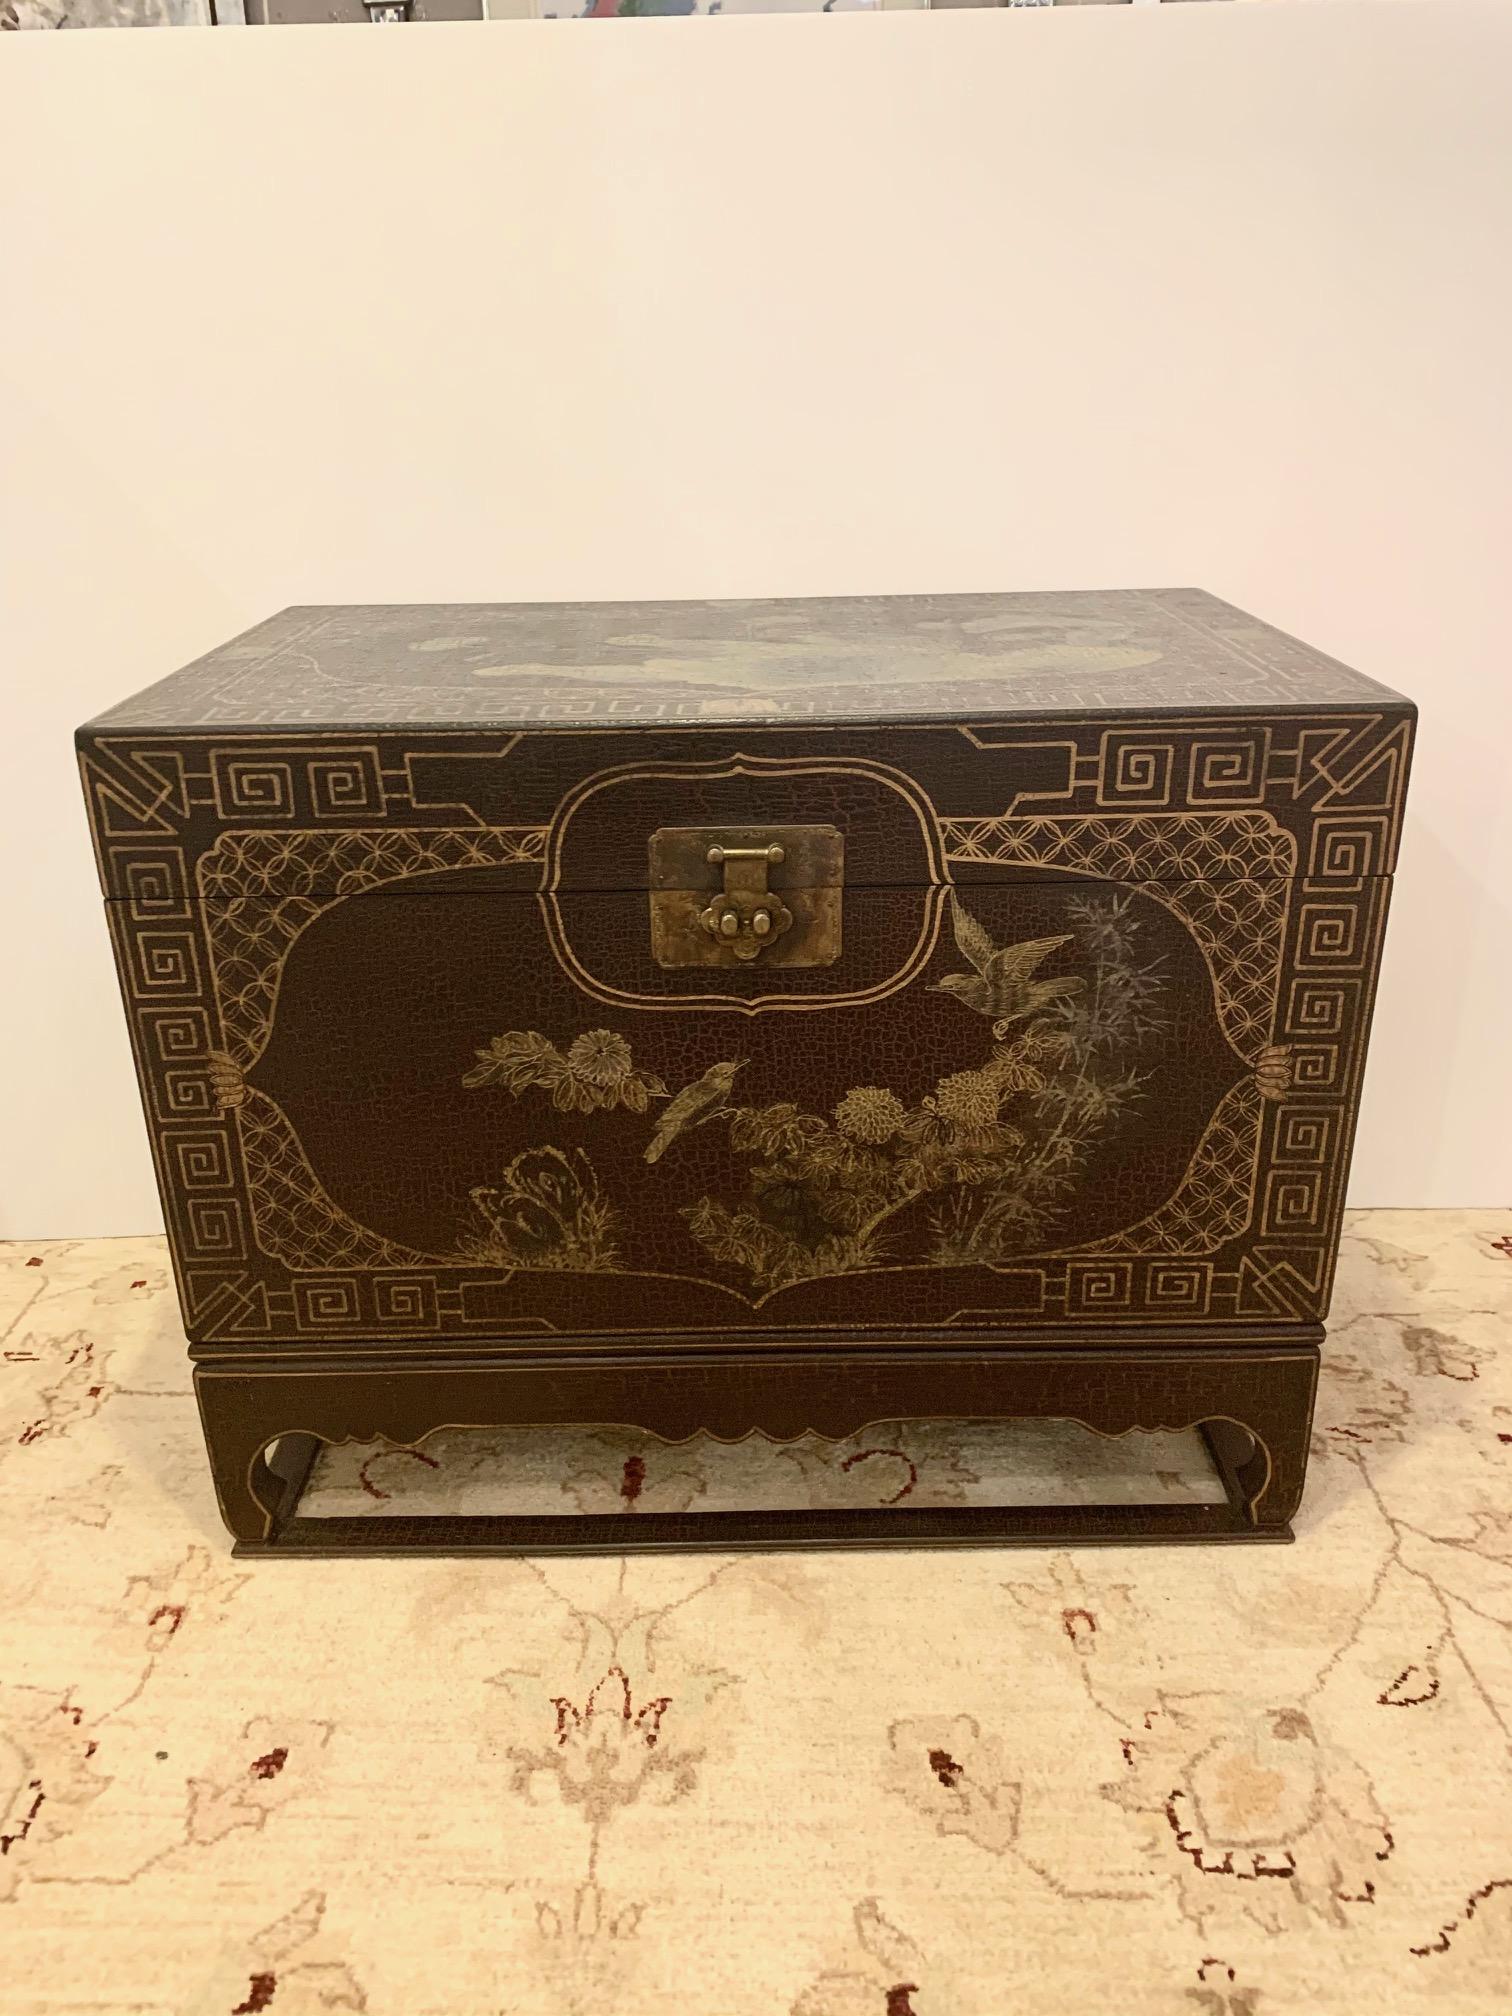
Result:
x=748 y=914
x=728 y=895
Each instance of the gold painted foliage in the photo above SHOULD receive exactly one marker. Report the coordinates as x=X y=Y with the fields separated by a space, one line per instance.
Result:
x=993 y=1155
x=998 y=1148
x=595 y=1073
x=545 y=1213
x=741 y=1238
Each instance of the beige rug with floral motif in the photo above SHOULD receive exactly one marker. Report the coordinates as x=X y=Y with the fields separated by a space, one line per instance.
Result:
x=1186 y=1782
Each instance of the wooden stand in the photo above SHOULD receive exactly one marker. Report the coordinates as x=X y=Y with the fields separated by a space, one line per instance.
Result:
x=1250 y=1394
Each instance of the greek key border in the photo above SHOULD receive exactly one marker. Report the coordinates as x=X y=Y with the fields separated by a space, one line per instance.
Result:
x=1335 y=783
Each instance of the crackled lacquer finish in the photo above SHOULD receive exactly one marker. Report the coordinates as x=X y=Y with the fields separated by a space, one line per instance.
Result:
x=1091 y=1050
x=1166 y=1784
x=820 y=658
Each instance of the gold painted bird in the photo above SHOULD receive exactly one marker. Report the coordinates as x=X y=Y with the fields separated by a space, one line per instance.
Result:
x=1002 y=985
x=697 y=1101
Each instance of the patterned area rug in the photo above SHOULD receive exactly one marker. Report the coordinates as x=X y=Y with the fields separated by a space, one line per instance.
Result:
x=1187 y=1782
x=904 y=1463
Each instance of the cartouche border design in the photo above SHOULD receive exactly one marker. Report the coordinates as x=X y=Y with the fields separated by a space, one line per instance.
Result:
x=933 y=889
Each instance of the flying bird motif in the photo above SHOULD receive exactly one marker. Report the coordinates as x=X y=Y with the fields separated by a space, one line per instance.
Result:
x=1002 y=985
x=695 y=1102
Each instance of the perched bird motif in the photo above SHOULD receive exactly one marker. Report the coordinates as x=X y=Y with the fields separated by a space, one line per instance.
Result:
x=1002 y=985
x=698 y=1101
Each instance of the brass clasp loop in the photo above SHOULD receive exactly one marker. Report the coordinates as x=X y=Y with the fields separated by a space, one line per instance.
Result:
x=746 y=915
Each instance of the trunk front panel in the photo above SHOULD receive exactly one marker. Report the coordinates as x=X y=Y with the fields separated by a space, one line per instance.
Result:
x=1089 y=1051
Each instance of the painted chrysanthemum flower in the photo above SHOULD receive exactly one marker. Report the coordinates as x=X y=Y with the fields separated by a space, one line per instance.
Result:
x=967 y=1099
x=870 y=1113
x=599 y=1057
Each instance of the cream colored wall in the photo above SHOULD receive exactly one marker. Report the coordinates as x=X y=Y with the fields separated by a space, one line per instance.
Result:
x=1002 y=299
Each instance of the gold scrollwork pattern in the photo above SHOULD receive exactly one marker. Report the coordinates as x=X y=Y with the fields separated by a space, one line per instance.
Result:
x=1213 y=1201
x=261 y=890
x=295 y=1219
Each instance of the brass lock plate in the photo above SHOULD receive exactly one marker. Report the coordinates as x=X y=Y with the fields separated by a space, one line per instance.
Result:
x=746 y=895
